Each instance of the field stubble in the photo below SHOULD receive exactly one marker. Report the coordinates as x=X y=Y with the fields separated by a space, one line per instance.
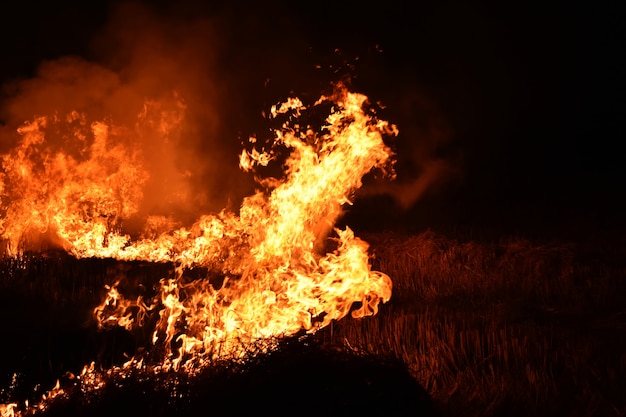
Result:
x=502 y=328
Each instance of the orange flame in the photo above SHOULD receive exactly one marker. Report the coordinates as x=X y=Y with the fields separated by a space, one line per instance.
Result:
x=8 y=410
x=285 y=268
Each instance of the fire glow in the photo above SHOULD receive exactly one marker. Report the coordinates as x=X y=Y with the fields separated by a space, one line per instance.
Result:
x=285 y=267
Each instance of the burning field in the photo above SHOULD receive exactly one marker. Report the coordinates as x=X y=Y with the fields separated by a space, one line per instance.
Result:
x=275 y=268
x=165 y=250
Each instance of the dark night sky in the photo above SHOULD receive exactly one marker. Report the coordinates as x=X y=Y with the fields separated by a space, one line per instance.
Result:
x=532 y=95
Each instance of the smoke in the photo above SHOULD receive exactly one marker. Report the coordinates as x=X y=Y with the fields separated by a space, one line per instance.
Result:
x=426 y=159
x=168 y=80
x=174 y=62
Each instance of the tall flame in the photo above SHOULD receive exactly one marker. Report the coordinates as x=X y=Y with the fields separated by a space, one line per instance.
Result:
x=285 y=268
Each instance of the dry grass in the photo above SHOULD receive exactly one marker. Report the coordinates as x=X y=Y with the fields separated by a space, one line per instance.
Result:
x=506 y=328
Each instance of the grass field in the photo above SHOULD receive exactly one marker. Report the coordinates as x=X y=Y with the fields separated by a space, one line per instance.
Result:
x=507 y=328
x=488 y=328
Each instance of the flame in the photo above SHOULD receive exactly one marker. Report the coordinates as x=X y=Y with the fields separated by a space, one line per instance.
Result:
x=8 y=410
x=285 y=267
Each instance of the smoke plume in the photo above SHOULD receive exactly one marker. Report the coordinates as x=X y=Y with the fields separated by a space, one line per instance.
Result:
x=165 y=80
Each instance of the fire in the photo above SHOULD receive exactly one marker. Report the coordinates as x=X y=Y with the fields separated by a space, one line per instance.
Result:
x=285 y=268
x=8 y=410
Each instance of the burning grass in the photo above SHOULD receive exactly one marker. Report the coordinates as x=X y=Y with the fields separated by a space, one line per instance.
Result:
x=272 y=269
x=298 y=377
x=490 y=329
x=277 y=275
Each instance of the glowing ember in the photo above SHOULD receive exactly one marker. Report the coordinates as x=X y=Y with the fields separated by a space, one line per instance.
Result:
x=284 y=267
